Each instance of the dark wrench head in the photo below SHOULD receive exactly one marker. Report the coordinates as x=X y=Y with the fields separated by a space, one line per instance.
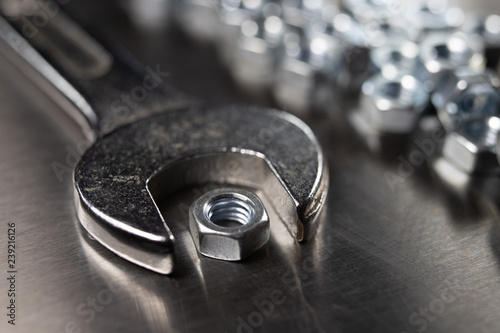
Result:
x=120 y=179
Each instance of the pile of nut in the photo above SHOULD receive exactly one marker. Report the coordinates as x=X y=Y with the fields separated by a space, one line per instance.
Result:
x=404 y=59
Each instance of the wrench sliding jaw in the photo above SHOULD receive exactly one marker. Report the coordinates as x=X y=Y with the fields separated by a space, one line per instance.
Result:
x=166 y=144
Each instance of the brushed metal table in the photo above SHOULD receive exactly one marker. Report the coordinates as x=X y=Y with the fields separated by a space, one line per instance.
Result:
x=415 y=257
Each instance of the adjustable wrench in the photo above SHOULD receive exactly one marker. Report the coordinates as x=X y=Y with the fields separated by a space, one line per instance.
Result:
x=160 y=142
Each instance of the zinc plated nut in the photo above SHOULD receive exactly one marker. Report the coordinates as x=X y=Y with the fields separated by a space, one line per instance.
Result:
x=464 y=95
x=307 y=72
x=472 y=148
x=355 y=68
x=199 y=19
x=433 y=15
x=393 y=105
x=397 y=55
x=370 y=10
x=357 y=40
x=232 y=14
x=371 y=34
x=228 y=224
x=301 y=13
x=443 y=51
x=487 y=27
x=255 y=55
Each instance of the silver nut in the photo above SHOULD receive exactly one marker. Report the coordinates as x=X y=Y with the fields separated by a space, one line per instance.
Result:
x=354 y=42
x=397 y=55
x=301 y=13
x=232 y=14
x=228 y=224
x=372 y=33
x=484 y=26
x=350 y=31
x=149 y=14
x=306 y=75
x=472 y=148
x=442 y=51
x=373 y=10
x=487 y=27
x=433 y=15
x=357 y=40
x=255 y=56
x=199 y=19
x=393 y=105
x=382 y=33
x=465 y=95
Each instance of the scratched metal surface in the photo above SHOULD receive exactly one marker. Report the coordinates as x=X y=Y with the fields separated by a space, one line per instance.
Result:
x=414 y=258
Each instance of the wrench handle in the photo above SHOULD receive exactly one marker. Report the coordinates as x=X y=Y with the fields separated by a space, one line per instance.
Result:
x=97 y=87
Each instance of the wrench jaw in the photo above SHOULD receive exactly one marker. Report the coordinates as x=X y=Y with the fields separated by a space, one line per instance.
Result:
x=247 y=169
x=151 y=251
x=310 y=215
x=120 y=179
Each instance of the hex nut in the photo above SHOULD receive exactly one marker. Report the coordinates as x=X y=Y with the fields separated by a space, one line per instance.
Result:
x=232 y=14
x=441 y=52
x=255 y=55
x=210 y=215
x=393 y=105
x=484 y=26
x=199 y=19
x=305 y=80
x=464 y=95
x=302 y=12
x=397 y=55
x=472 y=148
x=370 y=10
x=373 y=32
x=432 y=15
x=357 y=40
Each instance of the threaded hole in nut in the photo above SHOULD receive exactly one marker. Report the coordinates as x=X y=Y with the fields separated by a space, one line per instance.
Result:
x=406 y=91
x=442 y=52
x=455 y=50
x=392 y=90
x=230 y=212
